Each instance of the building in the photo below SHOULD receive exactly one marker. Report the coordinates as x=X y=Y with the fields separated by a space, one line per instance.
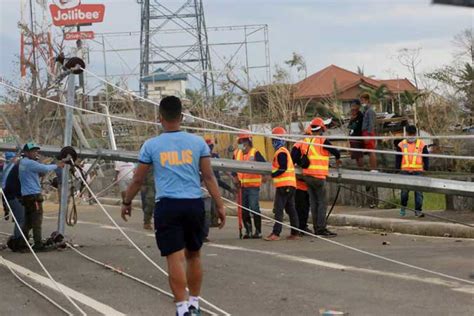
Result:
x=161 y=83
x=336 y=84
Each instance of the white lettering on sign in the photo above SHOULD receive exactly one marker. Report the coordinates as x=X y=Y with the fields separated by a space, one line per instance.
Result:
x=82 y=14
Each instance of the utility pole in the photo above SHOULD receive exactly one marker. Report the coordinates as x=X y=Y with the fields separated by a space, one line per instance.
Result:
x=71 y=96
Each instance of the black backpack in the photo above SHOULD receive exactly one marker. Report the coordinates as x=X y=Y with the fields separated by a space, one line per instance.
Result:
x=304 y=163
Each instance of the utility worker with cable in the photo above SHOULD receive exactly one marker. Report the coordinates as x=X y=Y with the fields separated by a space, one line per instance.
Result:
x=249 y=184
x=29 y=170
x=413 y=165
x=180 y=160
x=314 y=159
x=301 y=194
x=284 y=180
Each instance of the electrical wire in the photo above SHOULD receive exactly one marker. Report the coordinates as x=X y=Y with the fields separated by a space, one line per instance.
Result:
x=37 y=259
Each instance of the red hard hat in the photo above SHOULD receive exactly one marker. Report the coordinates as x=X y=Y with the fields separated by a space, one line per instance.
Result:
x=245 y=136
x=317 y=123
x=278 y=131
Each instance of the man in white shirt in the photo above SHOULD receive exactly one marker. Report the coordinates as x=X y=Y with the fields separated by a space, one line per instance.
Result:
x=124 y=175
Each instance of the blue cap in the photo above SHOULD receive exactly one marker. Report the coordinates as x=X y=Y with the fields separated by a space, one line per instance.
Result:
x=9 y=155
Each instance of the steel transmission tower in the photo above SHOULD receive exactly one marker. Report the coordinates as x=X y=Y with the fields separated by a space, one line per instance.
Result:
x=173 y=38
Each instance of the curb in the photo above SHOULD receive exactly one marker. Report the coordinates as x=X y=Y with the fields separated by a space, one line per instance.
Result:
x=395 y=225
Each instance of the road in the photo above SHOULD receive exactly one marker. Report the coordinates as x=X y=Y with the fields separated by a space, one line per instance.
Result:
x=250 y=277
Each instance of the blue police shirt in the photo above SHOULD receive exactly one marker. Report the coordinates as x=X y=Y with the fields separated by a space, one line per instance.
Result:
x=29 y=172
x=175 y=158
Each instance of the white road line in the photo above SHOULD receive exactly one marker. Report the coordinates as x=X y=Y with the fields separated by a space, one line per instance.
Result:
x=336 y=266
x=79 y=297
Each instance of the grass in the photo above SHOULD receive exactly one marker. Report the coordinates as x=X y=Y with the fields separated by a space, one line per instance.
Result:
x=431 y=201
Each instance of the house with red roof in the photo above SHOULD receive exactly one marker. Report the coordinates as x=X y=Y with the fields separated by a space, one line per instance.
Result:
x=334 y=83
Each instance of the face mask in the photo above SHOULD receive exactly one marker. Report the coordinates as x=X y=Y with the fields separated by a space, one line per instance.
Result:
x=277 y=143
x=241 y=146
x=411 y=139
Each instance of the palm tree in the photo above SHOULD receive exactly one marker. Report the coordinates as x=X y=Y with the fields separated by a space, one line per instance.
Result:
x=378 y=95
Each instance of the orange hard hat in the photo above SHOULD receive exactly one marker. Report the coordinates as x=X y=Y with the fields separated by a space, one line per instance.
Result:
x=278 y=131
x=245 y=136
x=316 y=124
x=209 y=141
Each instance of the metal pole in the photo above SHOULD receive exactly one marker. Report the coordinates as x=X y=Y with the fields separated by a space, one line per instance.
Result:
x=71 y=95
x=248 y=77
x=113 y=145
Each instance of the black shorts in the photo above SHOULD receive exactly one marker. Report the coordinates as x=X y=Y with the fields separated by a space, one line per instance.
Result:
x=179 y=224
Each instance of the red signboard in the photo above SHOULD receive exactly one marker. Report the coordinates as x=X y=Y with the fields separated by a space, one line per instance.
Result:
x=82 y=14
x=71 y=36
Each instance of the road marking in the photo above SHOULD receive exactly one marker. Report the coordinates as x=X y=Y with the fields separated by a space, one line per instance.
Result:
x=78 y=296
x=336 y=266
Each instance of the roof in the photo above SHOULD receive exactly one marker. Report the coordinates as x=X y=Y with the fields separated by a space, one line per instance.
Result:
x=399 y=85
x=322 y=83
x=161 y=75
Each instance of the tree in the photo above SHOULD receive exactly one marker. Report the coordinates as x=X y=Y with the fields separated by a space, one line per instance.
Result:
x=410 y=58
x=378 y=94
x=299 y=62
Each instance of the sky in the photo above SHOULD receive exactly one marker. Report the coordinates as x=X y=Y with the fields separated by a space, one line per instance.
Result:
x=347 y=33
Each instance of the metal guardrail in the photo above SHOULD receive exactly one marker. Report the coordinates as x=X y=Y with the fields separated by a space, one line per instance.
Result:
x=387 y=180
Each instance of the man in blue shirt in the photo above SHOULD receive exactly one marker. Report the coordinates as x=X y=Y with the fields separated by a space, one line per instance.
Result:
x=32 y=199
x=12 y=190
x=177 y=157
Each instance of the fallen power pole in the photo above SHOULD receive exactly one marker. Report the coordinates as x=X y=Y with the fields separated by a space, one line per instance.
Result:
x=380 y=179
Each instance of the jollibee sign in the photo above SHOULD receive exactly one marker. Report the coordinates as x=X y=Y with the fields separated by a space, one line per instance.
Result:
x=81 y=14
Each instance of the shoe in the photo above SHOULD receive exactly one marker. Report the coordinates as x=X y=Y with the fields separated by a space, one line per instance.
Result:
x=193 y=311
x=403 y=212
x=272 y=237
x=325 y=233
x=39 y=247
x=206 y=239
x=306 y=230
x=372 y=206
x=257 y=235
x=293 y=237
x=374 y=171
x=419 y=214
x=147 y=226
x=246 y=236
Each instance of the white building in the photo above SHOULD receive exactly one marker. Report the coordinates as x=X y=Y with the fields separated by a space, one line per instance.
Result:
x=161 y=84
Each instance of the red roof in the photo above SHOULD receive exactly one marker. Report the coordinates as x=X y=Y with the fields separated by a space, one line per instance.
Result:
x=322 y=83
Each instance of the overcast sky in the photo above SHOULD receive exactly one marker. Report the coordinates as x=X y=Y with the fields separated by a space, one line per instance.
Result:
x=347 y=33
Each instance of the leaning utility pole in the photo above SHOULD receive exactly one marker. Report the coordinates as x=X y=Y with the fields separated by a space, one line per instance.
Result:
x=71 y=98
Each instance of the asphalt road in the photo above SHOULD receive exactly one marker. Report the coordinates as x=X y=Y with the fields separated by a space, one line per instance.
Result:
x=250 y=277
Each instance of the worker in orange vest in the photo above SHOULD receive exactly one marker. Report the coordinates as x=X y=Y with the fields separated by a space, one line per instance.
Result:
x=314 y=159
x=249 y=184
x=301 y=195
x=284 y=180
x=413 y=165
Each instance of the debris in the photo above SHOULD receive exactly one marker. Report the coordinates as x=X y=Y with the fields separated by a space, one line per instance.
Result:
x=383 y=234
x=458 y=240
x=447 y=235
x=387 y=243
x=471 y=276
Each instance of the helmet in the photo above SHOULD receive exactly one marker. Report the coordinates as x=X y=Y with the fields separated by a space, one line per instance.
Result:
x=278 y=131
x=317 y=124
x=209 y=141
x=9 y=155
x=245 y=136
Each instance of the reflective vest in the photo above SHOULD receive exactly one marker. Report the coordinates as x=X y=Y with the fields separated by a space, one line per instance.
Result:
x=287 y=178
x=248 y=180
x=415 y=162
x=300 y=184
x=318 y=158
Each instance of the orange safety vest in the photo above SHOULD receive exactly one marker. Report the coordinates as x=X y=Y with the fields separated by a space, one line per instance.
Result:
x=318 y=158
x=248 y=180
x=287 y=178
x=415 y=162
